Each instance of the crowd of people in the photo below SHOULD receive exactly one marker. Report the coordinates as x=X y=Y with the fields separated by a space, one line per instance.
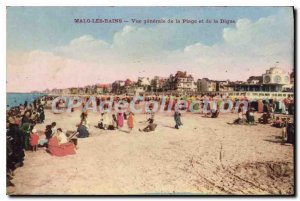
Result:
x=22 y=134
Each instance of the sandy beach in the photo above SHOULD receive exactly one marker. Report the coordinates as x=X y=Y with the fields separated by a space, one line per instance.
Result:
x=205 y=156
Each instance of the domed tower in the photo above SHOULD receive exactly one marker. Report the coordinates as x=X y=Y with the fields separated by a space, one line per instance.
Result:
x=276 y=75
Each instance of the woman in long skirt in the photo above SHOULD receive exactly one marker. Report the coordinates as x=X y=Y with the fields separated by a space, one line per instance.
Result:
x=120 y=119
x=130 y=121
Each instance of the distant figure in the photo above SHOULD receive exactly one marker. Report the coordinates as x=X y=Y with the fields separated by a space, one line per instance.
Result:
x=25 y=104
x=41 y=112
x=105 y=120
x=177 y=118
x=26 y=117
x=34 y=139
x=130 y=121
x=260 y=106
x=120 y=120
x=215 y=113
x=114 y=121
x=250 y=116
x=278 y=123
x=26 y=129
x=265 y=118
x=151 y=126
x=83 y=116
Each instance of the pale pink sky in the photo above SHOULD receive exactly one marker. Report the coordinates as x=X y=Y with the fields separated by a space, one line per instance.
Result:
x=250 y=47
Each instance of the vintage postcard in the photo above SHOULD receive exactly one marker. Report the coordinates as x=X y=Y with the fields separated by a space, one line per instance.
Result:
x=150 y=101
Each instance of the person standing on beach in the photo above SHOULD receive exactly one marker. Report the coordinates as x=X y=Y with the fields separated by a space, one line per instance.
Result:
x=177 y=118
x=48 y=132
x=41 y=112
x=53 y=128
x=120 y=119
x=114 y=121
x=130 y=121
x=34 y=139
x=26 y=117
x=26 y=129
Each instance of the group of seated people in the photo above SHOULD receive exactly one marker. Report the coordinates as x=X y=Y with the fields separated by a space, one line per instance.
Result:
x=280 y=122
x=150 y=127
x=109 y=123
x=58 y=143
x=245 y=118
x=265 y=118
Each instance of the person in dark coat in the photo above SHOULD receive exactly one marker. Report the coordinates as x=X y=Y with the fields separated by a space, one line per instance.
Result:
x=25 y=104
x=48 y=132
x=26 y=117
x=177 y=118
x=17 y=136
x=41 y=112
x=82 y=130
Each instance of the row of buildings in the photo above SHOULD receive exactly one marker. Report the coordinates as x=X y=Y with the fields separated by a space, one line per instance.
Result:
x=273 y=80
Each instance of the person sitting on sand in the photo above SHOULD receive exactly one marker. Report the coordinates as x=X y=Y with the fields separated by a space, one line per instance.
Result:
x=34 y=139
x=100 y=123
x=250 y=116
x=215 y=113
x=151 y=127
x=62 y=138
x=82 y=130
x=265 y=118
x=150 y=113
x=278 y=123
x=240 y=119
x=105 y=120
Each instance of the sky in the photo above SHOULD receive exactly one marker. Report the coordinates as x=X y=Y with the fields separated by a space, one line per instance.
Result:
x=46 y=49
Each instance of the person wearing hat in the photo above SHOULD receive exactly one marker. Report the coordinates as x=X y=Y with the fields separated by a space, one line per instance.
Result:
x=34 y=139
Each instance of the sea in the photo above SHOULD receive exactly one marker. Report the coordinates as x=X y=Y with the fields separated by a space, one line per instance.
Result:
x=15 y=99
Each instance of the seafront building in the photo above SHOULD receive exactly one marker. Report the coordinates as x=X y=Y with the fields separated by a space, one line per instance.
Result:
x=275 y=82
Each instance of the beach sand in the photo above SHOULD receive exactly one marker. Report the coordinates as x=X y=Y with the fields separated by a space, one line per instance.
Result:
x=205 y=156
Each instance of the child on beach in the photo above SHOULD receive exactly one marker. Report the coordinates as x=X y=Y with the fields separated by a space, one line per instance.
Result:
x=130 y=121
x=34 y=139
